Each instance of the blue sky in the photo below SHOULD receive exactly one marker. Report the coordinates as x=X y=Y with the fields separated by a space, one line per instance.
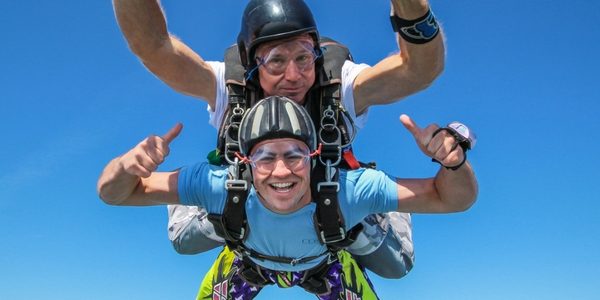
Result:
x=522 y=74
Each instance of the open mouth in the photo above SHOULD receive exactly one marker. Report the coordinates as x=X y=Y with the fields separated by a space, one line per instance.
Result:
x=282 y=186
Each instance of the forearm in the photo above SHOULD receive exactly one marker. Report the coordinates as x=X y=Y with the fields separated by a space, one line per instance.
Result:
x=115 y=185
x=423 y=62
x=143 y=24
x=410 y=70
x=456 y=190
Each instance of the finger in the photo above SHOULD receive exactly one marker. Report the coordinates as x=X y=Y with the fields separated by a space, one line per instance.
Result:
x=444 y=150
x=139 y=171
x=409 y=124
x=132 y=166
x=146 y=162
x=173 y=133
x=156 y=149
x=454 y=158
x=156 y=154
x=428 y=140
x=436 y=140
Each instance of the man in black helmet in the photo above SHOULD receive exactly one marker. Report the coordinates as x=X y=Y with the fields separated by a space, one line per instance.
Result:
x=279 y=48
x=278 y=141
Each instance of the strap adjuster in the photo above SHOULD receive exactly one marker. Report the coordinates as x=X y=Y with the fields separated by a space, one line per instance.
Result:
x=331 y=187
x=333 y=238
x=236 y=185
x=236 y=235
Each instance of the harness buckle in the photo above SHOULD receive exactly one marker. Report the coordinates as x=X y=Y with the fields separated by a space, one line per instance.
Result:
x=236 y=235
x=328 y=187
x=294 y=262
x=334 y=238
x=236 y=185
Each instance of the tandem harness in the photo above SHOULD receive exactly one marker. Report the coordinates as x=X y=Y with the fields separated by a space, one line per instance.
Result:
x=323 y=102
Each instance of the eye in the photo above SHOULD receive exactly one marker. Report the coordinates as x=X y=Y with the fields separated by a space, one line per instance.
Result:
x=304 y=59
x=266 y=160
x=276 y=61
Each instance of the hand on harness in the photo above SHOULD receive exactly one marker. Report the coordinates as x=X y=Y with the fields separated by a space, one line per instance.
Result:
x=442 y=143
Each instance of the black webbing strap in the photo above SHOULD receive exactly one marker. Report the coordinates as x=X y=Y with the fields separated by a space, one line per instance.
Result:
x=232 y=224
x=245 y=252
x=328 y=218
x=332 y=133
x=313 y=281
x=251 y=273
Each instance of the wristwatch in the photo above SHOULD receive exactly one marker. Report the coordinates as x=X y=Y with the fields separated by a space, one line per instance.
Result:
x=465 y=138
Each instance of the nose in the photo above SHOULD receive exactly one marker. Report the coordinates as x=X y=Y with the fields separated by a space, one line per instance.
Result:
x=280 y=169
x=292 y=72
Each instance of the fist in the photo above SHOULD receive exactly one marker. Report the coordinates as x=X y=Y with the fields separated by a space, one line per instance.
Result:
x=145 y=157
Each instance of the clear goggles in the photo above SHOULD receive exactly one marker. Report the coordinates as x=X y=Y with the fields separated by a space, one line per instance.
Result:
x=276 y=61
x=264 y=159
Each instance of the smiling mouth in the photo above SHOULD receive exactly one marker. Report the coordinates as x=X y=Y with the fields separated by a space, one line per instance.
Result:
x=282 y=186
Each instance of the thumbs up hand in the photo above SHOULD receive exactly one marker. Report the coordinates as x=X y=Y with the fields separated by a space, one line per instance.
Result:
x=146 y=156
x=442 y=146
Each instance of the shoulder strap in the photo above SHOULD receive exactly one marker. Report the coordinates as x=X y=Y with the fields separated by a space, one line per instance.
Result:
x=232 y=224
x=325 y=106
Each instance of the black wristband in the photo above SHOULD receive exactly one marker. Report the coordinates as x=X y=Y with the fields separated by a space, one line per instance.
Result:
x=418 y=31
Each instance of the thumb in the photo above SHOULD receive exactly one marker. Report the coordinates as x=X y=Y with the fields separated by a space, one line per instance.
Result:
x=173 y=133
x=410 y=125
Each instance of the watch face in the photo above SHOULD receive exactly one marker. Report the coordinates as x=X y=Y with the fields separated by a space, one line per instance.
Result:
x=464 y=131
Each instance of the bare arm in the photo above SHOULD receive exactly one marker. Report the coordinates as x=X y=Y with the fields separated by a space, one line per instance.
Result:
x=449 y=190
x=144 y=26
x=412 y=69
x=130 y=178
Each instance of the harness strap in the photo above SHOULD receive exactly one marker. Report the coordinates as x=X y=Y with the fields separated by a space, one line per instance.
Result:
x=251 y=273
x=245 y=252
x=313 y=280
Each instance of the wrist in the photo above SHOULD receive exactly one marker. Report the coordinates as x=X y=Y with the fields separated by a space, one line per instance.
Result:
x=417 y=31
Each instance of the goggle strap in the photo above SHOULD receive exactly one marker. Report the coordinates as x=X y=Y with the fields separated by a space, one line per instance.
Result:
x=317 y=152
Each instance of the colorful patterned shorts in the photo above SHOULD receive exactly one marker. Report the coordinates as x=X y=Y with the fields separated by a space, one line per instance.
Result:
x=346 y=280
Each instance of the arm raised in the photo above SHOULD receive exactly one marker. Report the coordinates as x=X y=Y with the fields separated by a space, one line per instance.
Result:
x=145 y=28
x=412 y=69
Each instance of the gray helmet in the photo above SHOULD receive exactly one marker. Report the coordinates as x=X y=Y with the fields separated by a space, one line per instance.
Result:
x=273 y=118
x=267 y=20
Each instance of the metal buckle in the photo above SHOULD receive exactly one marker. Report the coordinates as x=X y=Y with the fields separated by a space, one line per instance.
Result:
x=335 y=238
x=236 y=185
x=238 y=236
x=294 y=261
x=326 y=185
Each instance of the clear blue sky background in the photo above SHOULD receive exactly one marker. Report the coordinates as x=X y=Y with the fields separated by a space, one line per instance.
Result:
x=522 y=74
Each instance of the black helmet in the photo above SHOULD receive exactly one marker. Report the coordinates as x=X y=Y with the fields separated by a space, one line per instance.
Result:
x=273 y=118
x=267 y=20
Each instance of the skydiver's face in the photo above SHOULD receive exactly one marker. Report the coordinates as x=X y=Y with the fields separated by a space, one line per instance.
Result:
x=281 y=174
x=287 y=68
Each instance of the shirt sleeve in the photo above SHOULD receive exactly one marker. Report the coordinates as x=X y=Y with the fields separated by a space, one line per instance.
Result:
x=350 y=71
x=203 y=185
x=375 y=191
x=216 y=113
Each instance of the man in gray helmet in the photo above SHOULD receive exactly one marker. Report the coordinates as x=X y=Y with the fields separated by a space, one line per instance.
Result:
x=279 y=48
x=278 y=141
